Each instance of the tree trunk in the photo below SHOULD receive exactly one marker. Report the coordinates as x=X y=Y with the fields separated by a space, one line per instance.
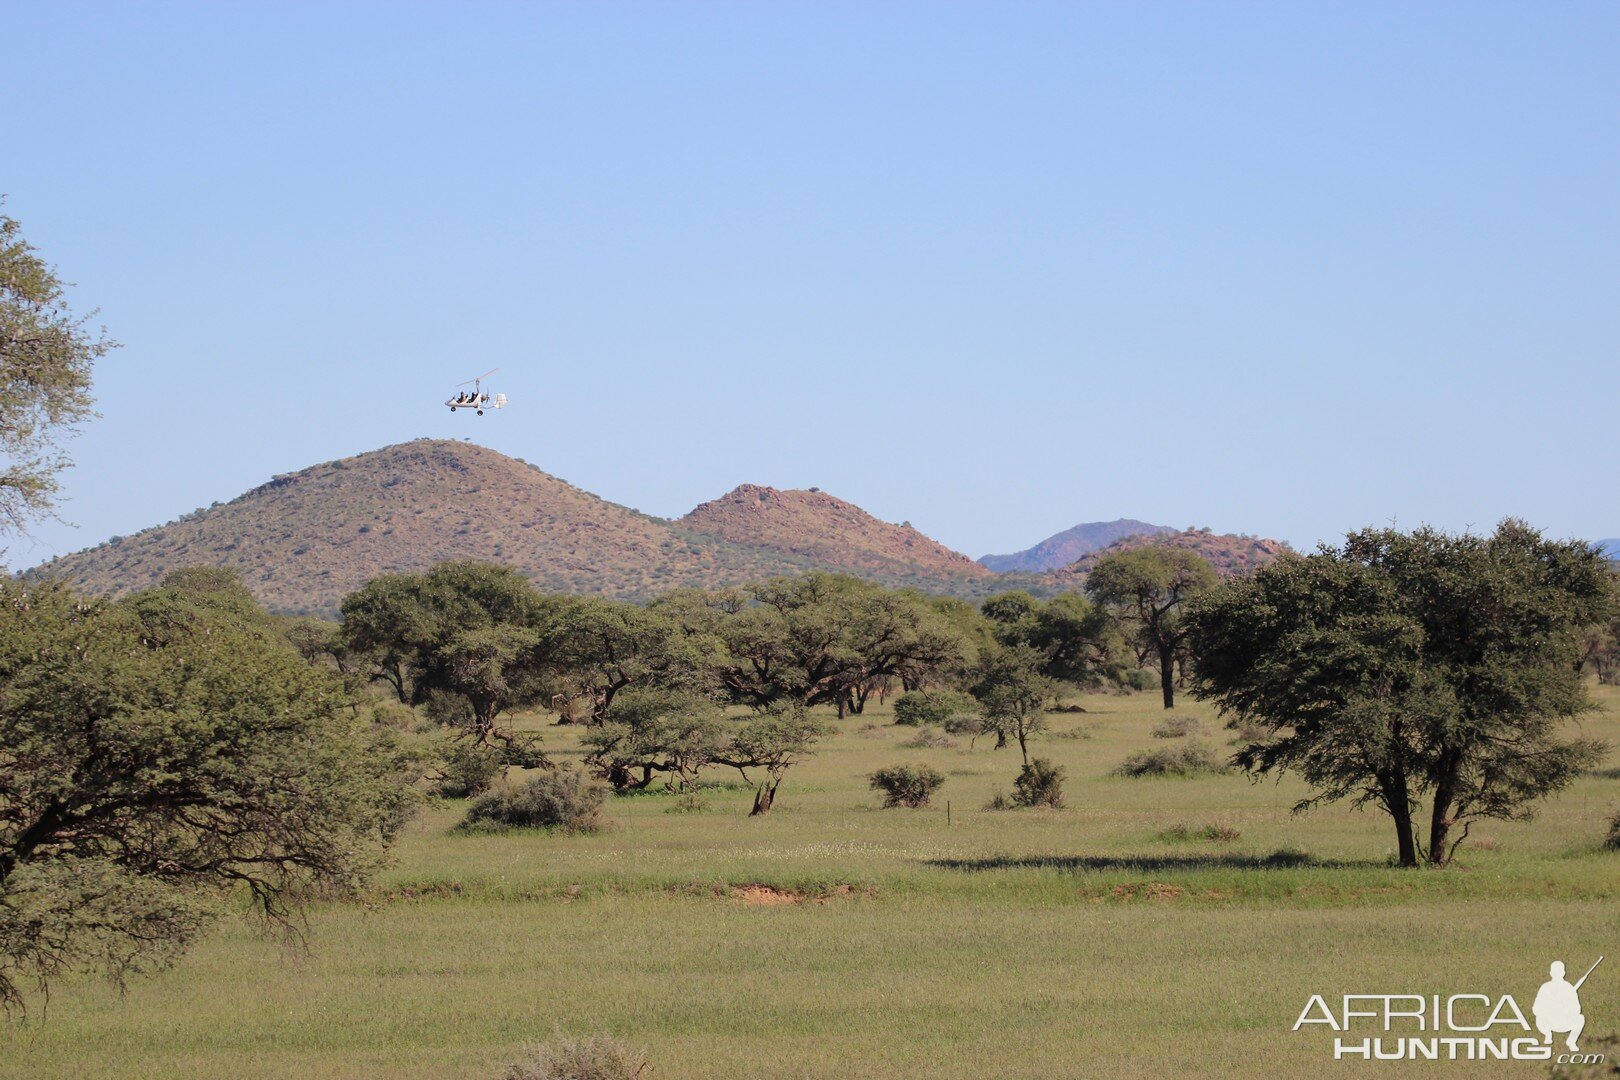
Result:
x=1023 y=744
x=1397 y=800
x=1445 y=795
x=764 y=797
x=1167 y=675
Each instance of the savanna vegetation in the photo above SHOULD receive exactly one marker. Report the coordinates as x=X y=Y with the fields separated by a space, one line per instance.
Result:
x=727 y=765
x=813 y=826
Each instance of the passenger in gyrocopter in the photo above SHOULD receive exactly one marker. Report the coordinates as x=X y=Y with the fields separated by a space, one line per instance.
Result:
x=476 y=399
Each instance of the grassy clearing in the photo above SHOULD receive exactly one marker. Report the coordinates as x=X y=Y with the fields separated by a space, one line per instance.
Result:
x=1092 y=941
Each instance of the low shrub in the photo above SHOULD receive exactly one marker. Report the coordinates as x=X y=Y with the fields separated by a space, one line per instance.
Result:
x=930 y=738
x=563 y=799
x=468 y=769
x=688 y=802
x=393 y=716
x=1177 y=727
x=449 y=710
x=1191 y=759
x=1217 y=834
x=999 y=801
x=1142 y=679
x=1040 y=783
x=1070 y=733
x=523 y=752
x=921 y=707
x=907 y=785
x=1612 y=841
x=1247 y=732
x=594 y=1057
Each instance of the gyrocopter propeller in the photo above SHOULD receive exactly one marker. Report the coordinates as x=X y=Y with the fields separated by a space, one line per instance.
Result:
x=476 y=399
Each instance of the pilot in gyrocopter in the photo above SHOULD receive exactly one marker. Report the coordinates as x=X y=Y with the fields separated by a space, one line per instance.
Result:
x=476 y=399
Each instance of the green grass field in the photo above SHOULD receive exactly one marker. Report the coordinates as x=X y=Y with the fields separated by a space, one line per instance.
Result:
x=895 y=943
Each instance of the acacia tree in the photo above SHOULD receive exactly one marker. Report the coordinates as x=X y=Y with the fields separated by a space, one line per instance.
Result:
x=47 y=355
x=825 y=639
x=652 y=732
x=603 y=647
x=1149 y=587
x=775 y=741
x=467 y=639
x=1077 y=640
x=1404 y=667
x=1010 y=688
x=157 y=754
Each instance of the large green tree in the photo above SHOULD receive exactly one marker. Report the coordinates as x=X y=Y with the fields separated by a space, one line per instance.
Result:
x=1149 y=588
x=823 y=639
x=1401 y=668
x=47 y=355
x=1077 y=641
x=158 y=754
x=601 y=648
x=466 y=638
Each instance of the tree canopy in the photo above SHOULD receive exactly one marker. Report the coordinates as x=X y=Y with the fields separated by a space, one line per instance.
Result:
x=1403 y=667
x=157 y=753
x=1149 y=587
x=47 y=355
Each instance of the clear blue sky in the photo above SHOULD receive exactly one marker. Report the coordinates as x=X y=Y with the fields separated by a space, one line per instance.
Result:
x=1280 y=268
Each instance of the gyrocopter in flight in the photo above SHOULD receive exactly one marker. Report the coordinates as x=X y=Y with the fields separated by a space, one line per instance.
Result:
x=476 y=399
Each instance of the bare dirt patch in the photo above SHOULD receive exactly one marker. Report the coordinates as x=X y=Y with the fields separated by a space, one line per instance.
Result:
x=1148 y=890
x=757 y=895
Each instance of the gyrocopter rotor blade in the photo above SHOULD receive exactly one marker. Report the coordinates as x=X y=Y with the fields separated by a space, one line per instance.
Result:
x=480 y=378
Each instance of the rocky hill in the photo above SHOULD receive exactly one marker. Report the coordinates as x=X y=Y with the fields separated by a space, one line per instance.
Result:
x=823 y=530
x=1061 y=549
x=1228 y=553
x=306 y=539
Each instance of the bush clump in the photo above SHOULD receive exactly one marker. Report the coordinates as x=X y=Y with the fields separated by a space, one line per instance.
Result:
x=930 y=738
x=564 y=799
x=1177 y=727
x=1247 y=732
x=907 y=785
x=468 y=769
x=1141 y=679
x=594 y=1057
x=1080 y=733
x=1040 y=783
x=1612 y=841
x=1191 y=759
x=921 y=707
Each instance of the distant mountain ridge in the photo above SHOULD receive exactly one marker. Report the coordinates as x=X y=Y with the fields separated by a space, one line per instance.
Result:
x=1062 y=549
x=1230 y=554
x=306 y=539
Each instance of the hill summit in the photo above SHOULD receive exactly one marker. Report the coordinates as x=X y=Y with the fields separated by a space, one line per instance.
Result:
x=306 y=539
x=825 y=530
x=1061 y=549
